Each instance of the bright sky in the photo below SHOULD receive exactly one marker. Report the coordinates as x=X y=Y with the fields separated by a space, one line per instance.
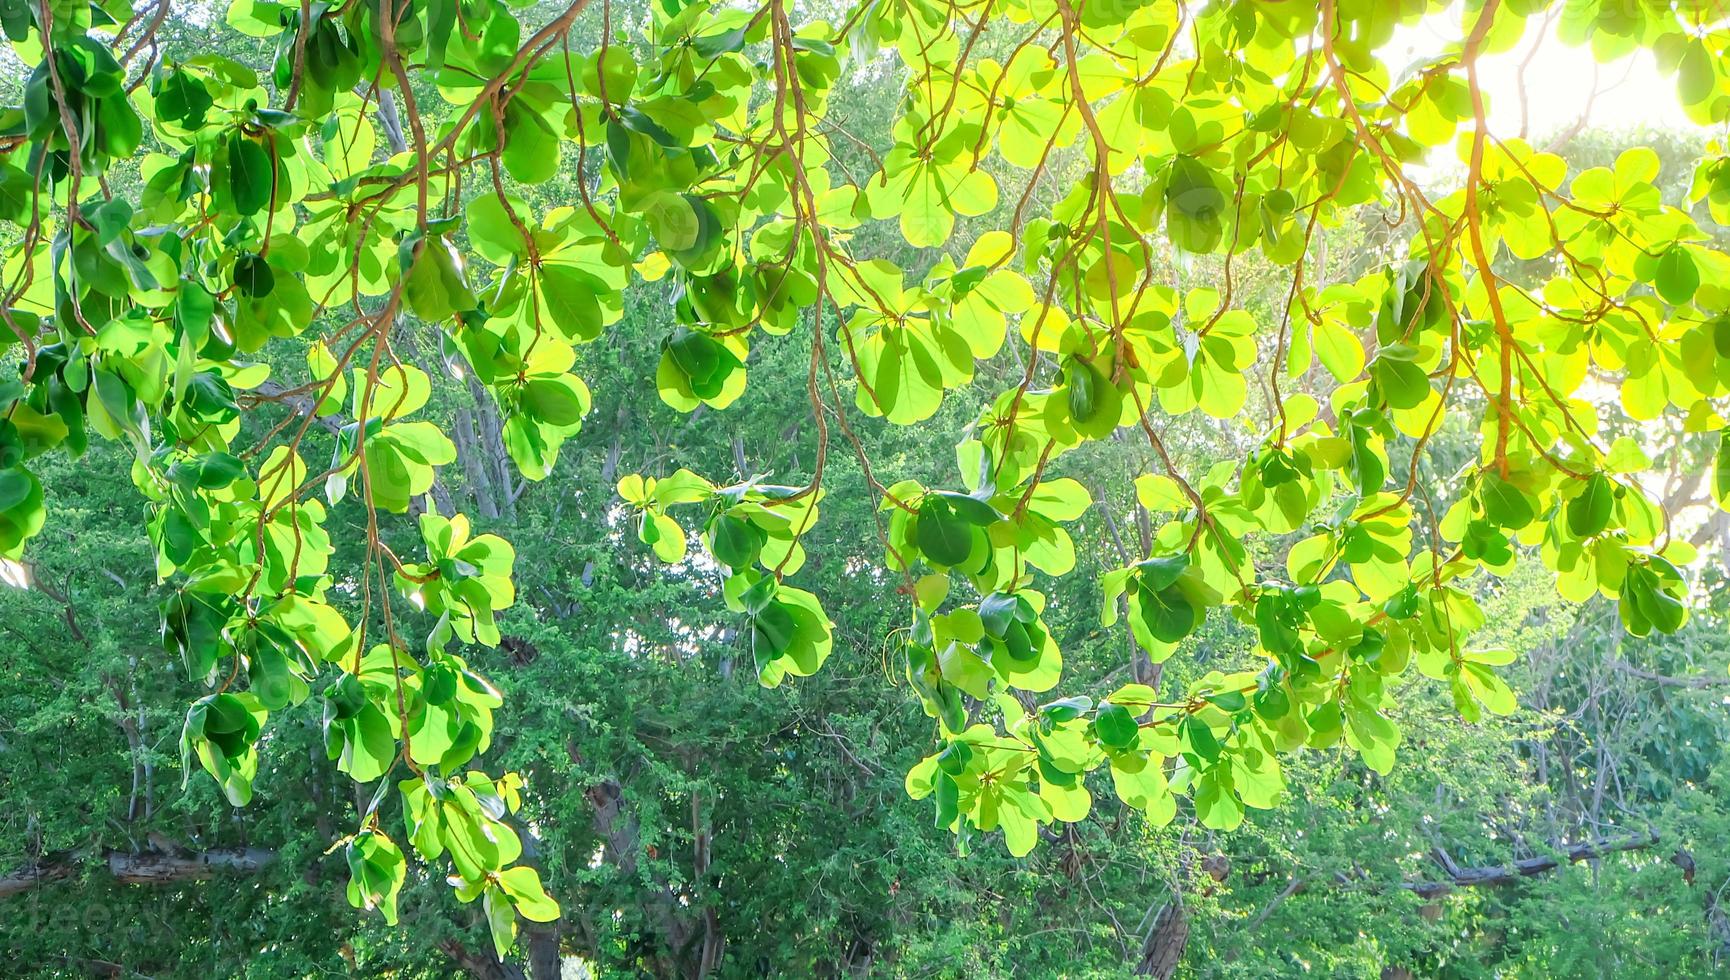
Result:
x=1559 y=83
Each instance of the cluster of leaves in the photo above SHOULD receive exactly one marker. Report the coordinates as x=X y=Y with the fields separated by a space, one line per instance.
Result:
x=752 y=531
x=264 y=209
x=1315 y=127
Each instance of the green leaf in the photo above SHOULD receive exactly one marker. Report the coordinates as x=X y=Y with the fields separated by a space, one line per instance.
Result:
x=1115 y=726
x=435 y=289
x=963 y=668
x=1200 y=738
x=703 y=360
x=109 y=218
x=941 y=535
x=1195 y=206
x=611 y=74
x=376 y=873
x=1095 y=404
x=531 y=153
x=1490 y=690
x=253 y=276
x=1677 y=278
x=193 y=309
x=734 y=542
x=1505 y=504
x=664 y=535
x=367 y=749
x=17 y=484
x=1215 y=804
x=1146 y=789
x=501 y=919
x=1402 y=382
x=251 y=174
x=569 y=296
x=673 y=221
x=1161 y=572
x=1168 y=613
x=523 y=885
x=1695 y=78
x=561 y=401
x=1589 y=513
x=1721 y=471
x=969 y=508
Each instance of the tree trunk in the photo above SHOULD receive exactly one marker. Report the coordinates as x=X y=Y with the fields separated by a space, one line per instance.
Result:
x=158 y=869
x=42 y=874
x=145 y=868
x=687 y=937
x=1162 y=949
x=489 y=451
x=483 y=965
x=545 y=963
x=479 y=476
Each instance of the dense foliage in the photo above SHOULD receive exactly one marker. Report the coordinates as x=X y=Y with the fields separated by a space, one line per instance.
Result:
x=1028 y=236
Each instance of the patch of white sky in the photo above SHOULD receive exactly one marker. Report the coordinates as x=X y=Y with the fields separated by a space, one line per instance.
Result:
x=1542 y=86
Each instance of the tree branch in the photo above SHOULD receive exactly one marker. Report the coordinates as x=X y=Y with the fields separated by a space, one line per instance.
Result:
x=1667 y=680
x=1477 y=877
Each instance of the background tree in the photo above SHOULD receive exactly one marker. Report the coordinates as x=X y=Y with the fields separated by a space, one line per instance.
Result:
x=1050 y=230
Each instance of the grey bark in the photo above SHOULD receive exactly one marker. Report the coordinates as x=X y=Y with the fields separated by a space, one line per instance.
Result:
x=691 y=939
x=1163 y=945
x=144 y=868
x=1502 y=874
